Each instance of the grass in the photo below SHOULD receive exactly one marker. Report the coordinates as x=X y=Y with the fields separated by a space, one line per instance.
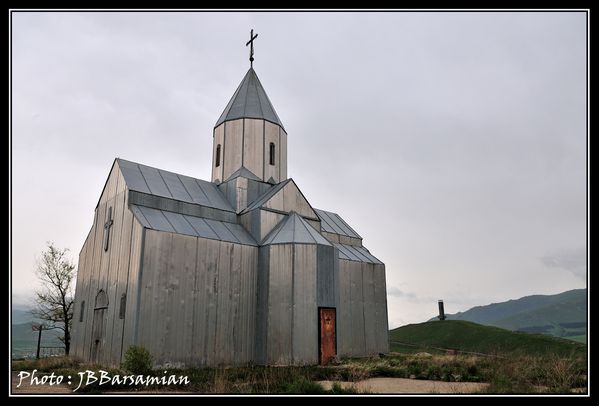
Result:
x=581 y=338
x=468 y=336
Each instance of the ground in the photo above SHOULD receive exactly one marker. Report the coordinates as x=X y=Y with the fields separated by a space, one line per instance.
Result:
x=419 y=373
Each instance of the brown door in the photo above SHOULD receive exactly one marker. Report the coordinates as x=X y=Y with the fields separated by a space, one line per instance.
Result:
x=328 y=340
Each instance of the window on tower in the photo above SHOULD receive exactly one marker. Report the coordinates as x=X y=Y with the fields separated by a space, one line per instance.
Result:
x=271 y=154
x=217 y=159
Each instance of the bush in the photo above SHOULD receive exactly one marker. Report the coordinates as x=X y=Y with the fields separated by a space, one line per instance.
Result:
x=138 y=360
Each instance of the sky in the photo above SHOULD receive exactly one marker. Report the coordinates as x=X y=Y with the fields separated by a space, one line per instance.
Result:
x=453 y=143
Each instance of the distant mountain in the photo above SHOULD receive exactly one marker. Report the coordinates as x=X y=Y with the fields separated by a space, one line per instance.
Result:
x=24 y=339
x=433 y=336
x=561 y=315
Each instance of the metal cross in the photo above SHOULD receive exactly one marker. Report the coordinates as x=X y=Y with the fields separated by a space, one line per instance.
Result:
x=251 y=44
x=107 y=226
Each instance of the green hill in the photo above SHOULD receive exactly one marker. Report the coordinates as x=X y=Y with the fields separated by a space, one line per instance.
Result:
x=468 y=336
x=561 y=315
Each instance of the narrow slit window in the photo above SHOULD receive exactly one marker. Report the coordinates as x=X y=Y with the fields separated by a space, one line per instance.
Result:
x=82 y=311
x=217 y=159
x=271 y=154
x=122 y=306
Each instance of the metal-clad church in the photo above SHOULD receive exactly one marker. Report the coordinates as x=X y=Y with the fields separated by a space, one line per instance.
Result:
x=237 y=270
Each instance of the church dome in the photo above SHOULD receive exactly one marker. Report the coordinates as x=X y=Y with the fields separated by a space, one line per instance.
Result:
x=250 y=101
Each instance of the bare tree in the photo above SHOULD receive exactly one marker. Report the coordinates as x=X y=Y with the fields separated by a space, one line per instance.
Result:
x=54 y=301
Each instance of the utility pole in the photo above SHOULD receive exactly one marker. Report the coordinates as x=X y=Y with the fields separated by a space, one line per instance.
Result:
x=38 y=328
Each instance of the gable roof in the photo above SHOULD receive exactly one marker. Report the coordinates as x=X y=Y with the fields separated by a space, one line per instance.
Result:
x=147 y=179
x=243 y=172
x=259 y=202
x=294 y=229
x=333 y=223
x=285 y=197
x=249 y=101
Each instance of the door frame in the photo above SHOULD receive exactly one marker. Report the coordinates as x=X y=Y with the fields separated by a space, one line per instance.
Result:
x=320 y=330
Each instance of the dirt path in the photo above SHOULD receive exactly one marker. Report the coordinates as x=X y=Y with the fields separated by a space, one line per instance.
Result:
x=26 y=388
x=402 y=385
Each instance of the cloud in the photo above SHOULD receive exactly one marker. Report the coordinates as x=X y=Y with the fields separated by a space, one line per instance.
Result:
x=573 y=261
x=397 y=292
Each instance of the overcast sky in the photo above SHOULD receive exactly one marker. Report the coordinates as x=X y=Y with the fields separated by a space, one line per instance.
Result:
x=454 y=143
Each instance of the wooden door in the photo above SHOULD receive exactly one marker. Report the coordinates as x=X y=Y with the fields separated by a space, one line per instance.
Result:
x=97 y=334
x=327 y=335
x=98 y=326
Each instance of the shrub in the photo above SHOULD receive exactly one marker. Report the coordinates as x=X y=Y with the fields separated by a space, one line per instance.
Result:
x=138 y=360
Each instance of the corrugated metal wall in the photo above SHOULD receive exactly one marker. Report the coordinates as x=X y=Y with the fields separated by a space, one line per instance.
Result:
x=362 y=313
x=113 y=271
x=198 y=300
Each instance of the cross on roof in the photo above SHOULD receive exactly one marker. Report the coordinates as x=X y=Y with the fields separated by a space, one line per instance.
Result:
x=251 y=44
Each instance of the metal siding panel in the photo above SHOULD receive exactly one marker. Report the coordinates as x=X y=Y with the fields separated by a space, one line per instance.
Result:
x=187 y=302
x=156 y=219
x=380 y=300
x=214 y=195
x=325 y=276
x=262 y=301
x=217 y=172
x=280 y=305
x=331 y=221
x=139 y=216
x=201 y=227
x=200 y=305
x=271 y=134
x=342 y=248
x=112 y=355
x=232 y=150
x=222 y=231
x=268 y=221
x=357 y=310
x=175 y=186
x=179 y=223
x=195 y=192
x=283 y=155
x=305 y=322
x=342 y=225
x=212 y=296
x=367 y=254
x=133 y=176
x=240 y=234
x=253 y=155
x=154 y=181
x=325 y=222
x=223 y=334
x=369 y=308
x=236 y=335
x=344 y=318
x=133 y=283
x=357 y=253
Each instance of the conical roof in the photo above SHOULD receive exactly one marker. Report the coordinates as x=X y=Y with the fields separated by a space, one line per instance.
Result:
x=294 y=229
x=250 y=101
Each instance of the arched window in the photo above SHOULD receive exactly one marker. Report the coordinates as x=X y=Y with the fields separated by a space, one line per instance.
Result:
x=101 y=300
x=217 y=159
x=271 y=154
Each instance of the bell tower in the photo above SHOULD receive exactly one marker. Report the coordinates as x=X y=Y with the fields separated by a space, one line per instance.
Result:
x=249 y=139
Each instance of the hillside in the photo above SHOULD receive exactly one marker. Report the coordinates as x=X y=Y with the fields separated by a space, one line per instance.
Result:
x=24 y=340
x=561 y=315
x=468 y=336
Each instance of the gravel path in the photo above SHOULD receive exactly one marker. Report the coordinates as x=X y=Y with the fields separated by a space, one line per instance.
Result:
x=402 y=385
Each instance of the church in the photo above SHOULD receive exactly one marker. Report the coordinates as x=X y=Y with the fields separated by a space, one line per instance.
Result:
x=236 y=270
